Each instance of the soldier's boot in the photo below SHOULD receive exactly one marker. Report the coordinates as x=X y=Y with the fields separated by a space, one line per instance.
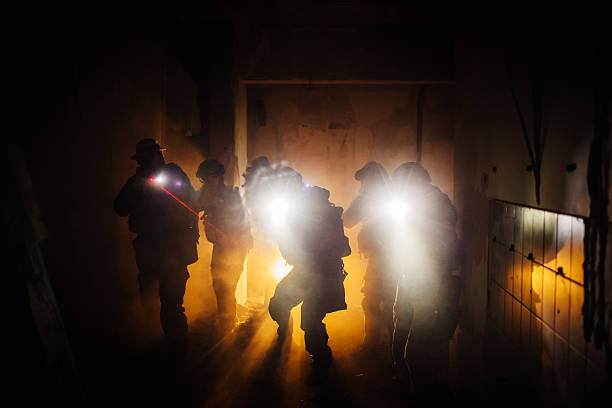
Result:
x=315 y=339
x=401 y=374
x=150 y=302
x=321 y=361
x=371 y=319
x=174 y=325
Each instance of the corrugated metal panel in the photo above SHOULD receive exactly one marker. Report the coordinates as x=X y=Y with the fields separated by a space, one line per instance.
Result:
x=536 y=287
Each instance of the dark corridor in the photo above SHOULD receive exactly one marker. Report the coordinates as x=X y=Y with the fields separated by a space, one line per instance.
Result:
x=507 y=107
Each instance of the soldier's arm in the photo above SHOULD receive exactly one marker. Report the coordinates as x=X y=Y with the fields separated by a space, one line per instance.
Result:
x=239 y=212
x=127 y=199
x=198 y=202
x=354 y=214
x=448 y=211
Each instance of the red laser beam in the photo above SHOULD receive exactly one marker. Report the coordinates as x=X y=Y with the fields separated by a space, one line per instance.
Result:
x=173 y=196
x=233 y=242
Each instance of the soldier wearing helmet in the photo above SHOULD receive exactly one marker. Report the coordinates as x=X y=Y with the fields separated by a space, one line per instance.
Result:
x=167 y=234
x=309 y=233
x=423 y=245
x=258 y=165
x=378 y=284
x=227 y=227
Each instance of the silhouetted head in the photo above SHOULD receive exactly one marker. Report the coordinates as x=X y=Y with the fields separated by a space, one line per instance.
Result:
x=275 y=181
x=258 y=165
x=261 y=161
x=287 y=178
x=148 y=153
x=210 y=172
x=373 y=174
x=411 y=173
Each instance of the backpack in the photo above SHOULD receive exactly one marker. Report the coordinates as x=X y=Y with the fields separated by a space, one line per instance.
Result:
x=331 y=220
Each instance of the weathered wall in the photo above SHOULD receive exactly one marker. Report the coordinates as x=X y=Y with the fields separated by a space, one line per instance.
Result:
x=341 y=40
x=491 y=156
x=104 y=90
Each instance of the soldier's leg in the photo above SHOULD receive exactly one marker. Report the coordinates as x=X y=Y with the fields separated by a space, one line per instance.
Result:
x=315 y=333
x=401 y=332
x=171 y=292
x=221 y=286
x=148 y=277
x=433 y=327
x=287 y=295
x=425 y=354
x=372 y=304
x=221 y=283
x=403 y=319
x=449 y=305
x=148 y=283
x=371 y=316
x=387 y=323
x=234 y=271
x=225 y=278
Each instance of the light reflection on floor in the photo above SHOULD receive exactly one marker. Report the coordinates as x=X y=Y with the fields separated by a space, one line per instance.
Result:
x=248 y=366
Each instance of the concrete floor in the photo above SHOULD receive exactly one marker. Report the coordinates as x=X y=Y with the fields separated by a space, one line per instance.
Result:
x=247 y=368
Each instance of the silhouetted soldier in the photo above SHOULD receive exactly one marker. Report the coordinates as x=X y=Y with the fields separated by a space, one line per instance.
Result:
x=308 y=230
x=167 y=234
x=379 y=285
x=227 y=228
x=424 y=247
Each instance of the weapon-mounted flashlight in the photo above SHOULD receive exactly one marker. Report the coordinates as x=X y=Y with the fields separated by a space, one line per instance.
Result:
x=161 y=179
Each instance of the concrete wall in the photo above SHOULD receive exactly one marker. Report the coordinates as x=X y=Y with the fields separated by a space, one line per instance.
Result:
x=491 y=156
x=103 y=90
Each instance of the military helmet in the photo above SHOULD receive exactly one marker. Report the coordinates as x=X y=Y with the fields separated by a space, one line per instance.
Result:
x=372 y=170
x=210 y=167
x=261 y=161
x=146 y=146
x=411 y=172
x=258 y=163
x=289 y=176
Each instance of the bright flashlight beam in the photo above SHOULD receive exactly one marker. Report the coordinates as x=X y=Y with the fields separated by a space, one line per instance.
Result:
x=278 y=206
x=278 y=209
x=173 y=196
x=161 y=179
x=397 y=208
